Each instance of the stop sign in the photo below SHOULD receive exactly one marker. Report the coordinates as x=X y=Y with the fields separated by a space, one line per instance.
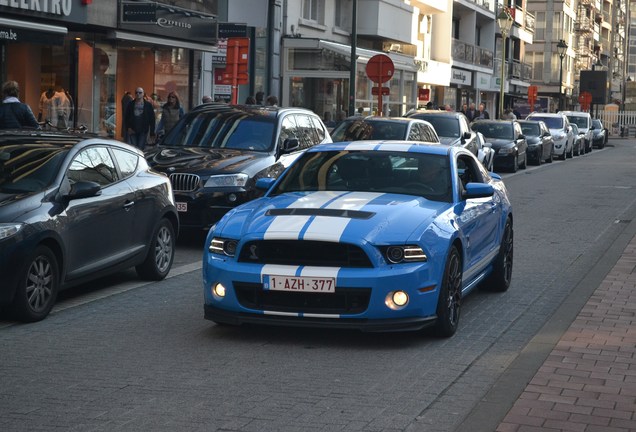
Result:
x=380 y=68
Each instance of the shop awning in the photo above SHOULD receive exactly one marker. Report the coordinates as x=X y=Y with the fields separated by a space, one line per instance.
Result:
x=152 y=40
x=12 y=30
x=402 y=62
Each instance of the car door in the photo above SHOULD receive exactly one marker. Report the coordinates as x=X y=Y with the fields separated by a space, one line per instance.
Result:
x=520 y=140
x=99 y=227
x=477 y=219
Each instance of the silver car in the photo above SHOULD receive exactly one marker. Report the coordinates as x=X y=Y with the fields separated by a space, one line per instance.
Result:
x=561 y=131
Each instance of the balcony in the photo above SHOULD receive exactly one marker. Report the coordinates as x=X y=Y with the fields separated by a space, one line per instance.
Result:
x=583 y=25
x=529 y=22
x=471 y=54
x=385 y=19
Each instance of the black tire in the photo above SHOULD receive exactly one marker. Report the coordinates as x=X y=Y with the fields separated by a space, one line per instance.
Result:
x=37 y=287
x=563 y=156
x=499 y=279
x=550 y=158
x=449 y=300
x=515 y=163
x=160 y=254
x=525 y=161
x=570 y=155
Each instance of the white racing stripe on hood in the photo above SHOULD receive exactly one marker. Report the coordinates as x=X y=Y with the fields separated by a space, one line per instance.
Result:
x=279 y=270
x=326 y=228
x=284 y=227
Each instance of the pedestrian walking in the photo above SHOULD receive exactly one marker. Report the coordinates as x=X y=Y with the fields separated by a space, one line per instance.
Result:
x=259 y=97
x=13 y=113
x=250 y=100
x=171 y=113
x=271 y=101
x=125 y=100
x=472 y=112
x=139 y=120
x=206 y=99
x=482 y=113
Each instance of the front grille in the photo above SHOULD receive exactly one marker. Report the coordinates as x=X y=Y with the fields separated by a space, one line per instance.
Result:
x=185 y=182
x=304 y=253
x=343 y=301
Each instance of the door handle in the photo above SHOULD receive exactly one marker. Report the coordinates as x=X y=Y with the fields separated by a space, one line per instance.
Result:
x=129 y=205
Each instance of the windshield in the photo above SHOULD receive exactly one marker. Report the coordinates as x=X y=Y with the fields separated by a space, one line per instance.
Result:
x=494 y=130
x=29 y=168
x=370 y=171
x=358 y=129
x=551 y=122
x=530 y=129
x=597 y=124
x=223 y=129
x=447 y=127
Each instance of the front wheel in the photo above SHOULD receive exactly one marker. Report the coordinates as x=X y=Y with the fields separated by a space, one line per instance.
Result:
x=37 y=286
x=499 y=279
x=160 y=254
x=449 y=300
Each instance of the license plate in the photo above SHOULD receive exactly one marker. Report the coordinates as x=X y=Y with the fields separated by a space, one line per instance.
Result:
x=299 y=283
x=182 y=206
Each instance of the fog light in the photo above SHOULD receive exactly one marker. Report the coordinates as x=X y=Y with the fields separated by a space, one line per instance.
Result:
x=231 y=197
x=218 y=290
x=400 y=298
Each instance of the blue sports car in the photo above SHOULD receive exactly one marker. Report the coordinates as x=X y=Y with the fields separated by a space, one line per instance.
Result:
x=370 y=235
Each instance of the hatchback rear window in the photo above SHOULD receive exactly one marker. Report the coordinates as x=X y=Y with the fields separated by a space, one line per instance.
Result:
x=551 y=122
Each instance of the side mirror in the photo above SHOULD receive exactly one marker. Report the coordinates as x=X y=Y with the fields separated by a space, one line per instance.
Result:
x=290 y=145
x=84 y=189
x=264 y=183
x=522 y=136
x=466 y=135
x=478 y=190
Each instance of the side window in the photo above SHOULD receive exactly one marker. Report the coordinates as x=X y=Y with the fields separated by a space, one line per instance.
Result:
x=307 y=136
x=415 y=133
x=288 y=129
x=468 y=171
x=429 y=134
x=93 y=164
x=319 y=128
x=127 y=162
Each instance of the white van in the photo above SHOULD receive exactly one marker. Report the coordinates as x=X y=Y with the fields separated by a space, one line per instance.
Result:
x=584 y=121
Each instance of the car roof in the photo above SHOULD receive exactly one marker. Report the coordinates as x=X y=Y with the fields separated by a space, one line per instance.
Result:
x=540 y=114
x=389 y=145
x=61 y=139
x=576 y=113
x=268 y=111
x=453 y=114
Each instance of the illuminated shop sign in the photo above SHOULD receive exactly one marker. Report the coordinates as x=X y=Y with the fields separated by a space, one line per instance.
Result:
x=166 y=20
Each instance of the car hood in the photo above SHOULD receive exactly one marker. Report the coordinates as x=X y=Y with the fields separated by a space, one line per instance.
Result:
x=376 y=218
x=12 y=205
x=196 y=159
x=450 y=140
x=498 y=142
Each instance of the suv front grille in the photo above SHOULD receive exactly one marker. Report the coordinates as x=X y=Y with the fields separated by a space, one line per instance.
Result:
x=185 y=182
x=343 y=301
x=304 y=253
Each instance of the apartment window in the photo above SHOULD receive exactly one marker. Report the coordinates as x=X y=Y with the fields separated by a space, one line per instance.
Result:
x=539 y=30
x=537 y=66
x=313 y=10
x=344 y=9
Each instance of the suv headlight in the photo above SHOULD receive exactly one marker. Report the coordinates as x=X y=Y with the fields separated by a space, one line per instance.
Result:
x=227 y=180
x=9 y=229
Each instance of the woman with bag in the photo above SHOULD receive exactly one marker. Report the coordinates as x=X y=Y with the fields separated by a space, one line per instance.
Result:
x=171 y=112
x=13 y=113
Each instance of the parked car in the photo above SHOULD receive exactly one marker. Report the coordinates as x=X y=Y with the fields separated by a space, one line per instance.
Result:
x=73 y=209
x=539 y=139
x=485 y=153
x=384 y=128
x=507 y=140
x=451 y=127
x=579 y=146
x=366 y=235
x=601 y=134
x=216 y=152
x=561 y=131
x=584 y=122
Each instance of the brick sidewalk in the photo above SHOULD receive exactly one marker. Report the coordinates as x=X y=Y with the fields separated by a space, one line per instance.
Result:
x=588 y=383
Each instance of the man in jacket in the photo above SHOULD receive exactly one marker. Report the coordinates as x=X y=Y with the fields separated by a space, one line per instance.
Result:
x=13 y=113
x=139 y=120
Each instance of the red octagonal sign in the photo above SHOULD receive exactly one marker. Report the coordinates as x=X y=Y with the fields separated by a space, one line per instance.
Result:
x=380 y=68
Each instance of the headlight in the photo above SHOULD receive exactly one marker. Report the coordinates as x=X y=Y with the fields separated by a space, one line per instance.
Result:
x=507 y=150
x=228 y=180
x=409 y=253
x=222 y=246
x=9 y=229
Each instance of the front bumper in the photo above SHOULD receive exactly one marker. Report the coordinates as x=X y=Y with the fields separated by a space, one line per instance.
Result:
x=206 y=208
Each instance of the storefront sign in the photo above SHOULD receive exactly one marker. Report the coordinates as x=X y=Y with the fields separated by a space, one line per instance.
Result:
x=165 y=20
x=62 y=10
x=459 y=76
x=9 y=34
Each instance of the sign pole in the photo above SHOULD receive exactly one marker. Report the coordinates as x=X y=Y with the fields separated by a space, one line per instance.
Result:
x=235 y=48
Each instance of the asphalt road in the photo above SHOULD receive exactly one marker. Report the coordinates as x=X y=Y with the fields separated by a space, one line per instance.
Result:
x=122 y=355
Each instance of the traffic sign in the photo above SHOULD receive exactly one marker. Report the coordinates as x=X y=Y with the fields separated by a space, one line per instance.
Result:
x=385 y=91
x=380 y=68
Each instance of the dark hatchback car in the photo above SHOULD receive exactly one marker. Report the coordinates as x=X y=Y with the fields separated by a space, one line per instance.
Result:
x=539 y=139
x=215 y=153
x=384 y=128
x=507 y=140
x=600 y=134
x=72 y=209
x=451 y=127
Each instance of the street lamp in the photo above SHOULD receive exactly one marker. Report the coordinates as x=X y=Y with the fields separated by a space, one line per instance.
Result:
x=562 y=48
x=505 y=22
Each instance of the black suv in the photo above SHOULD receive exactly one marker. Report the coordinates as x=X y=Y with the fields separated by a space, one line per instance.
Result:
x=451 y=127
x=216 y=152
